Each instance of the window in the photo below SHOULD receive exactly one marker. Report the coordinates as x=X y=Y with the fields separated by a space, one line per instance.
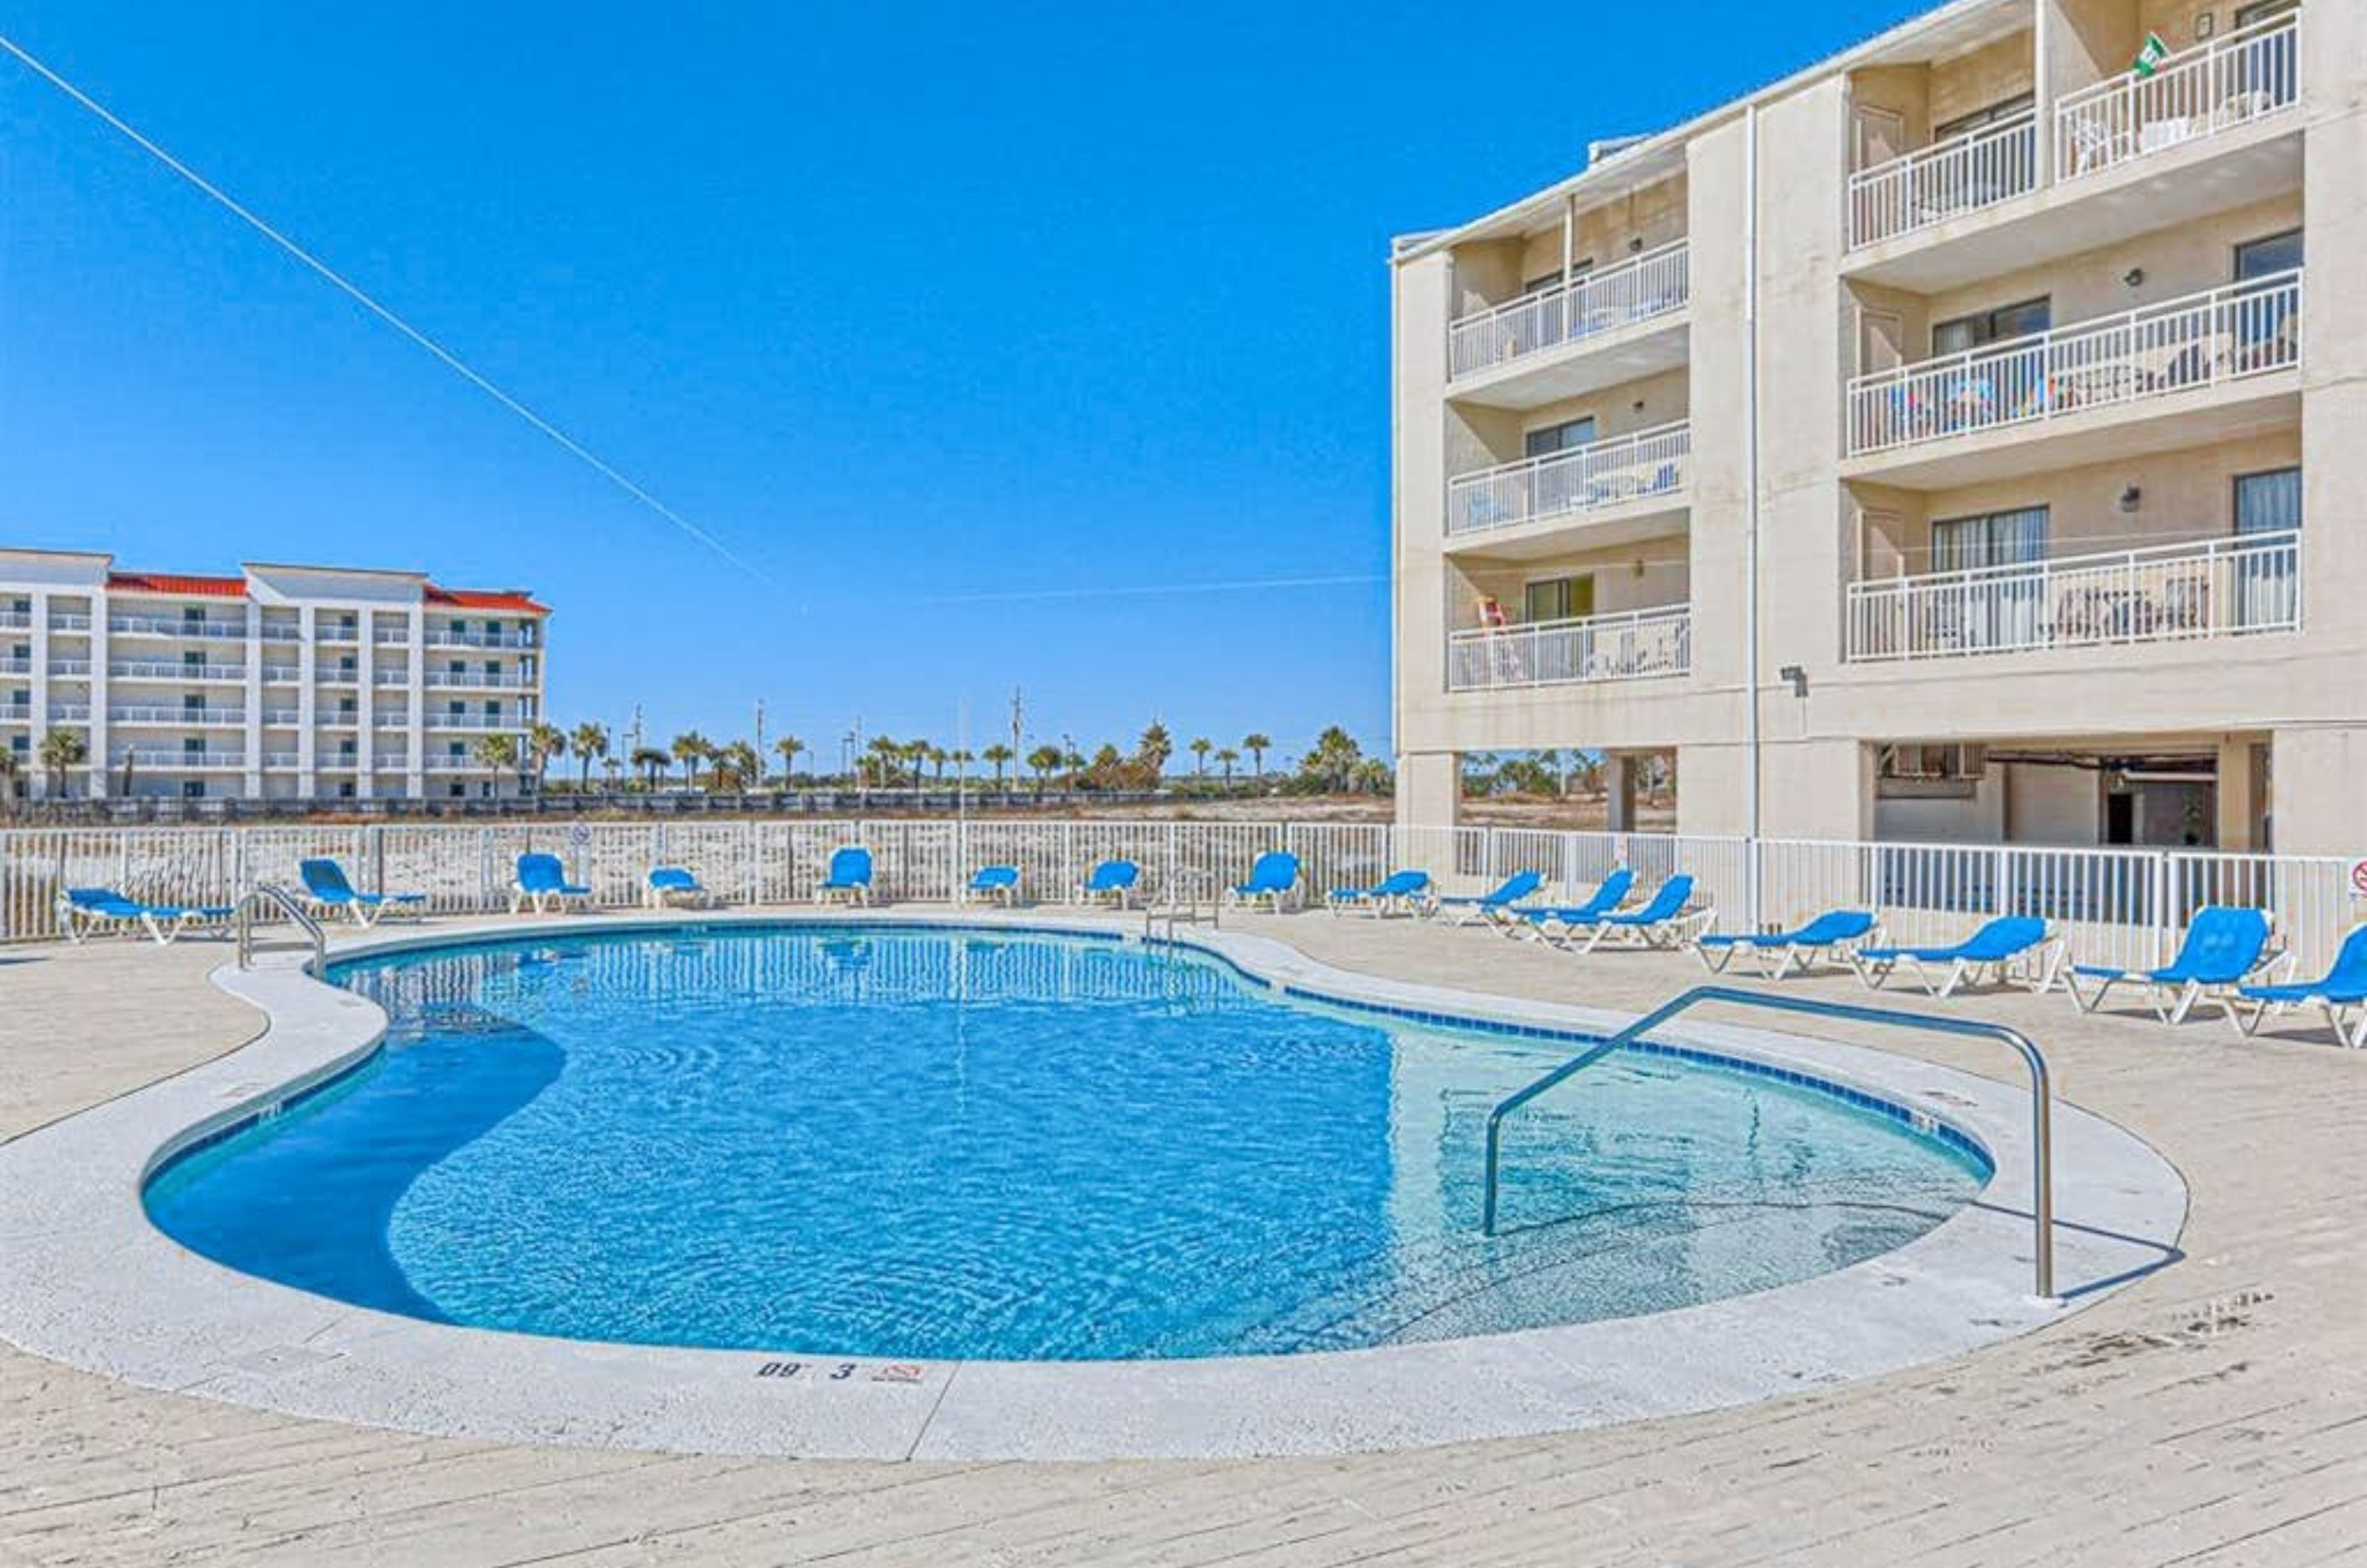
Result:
x=193 y=789
x=1917 y=770
x=1998 y=538
x=192 y=659
x=2261 y=10
x=2267 y=257
x=2269 y=502
x=1562 y=438
x=1551 y=280
x=192 y=746
x=1986 y=327
x=2003 y=109
x=2267 y=510
x=192 y=704
x=1558 y=599
x=345 y=790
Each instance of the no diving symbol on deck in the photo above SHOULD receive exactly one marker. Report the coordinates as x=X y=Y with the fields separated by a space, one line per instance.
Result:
x=2359 y=879
x=845 y=1371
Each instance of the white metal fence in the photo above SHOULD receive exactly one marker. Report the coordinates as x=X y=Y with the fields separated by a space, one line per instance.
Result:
x=2223 y=334
x=1630 y=646
x=1654 y=284
x=2223 y=587
x=2234 y=80
x=1648 y=465
x=2118 y=905
x=1934 y=184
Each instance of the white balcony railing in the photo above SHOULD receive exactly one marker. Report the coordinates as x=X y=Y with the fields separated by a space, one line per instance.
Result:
x=281 y=719
x=507 y=679
x=391 y=721
x=455 y=765
x=168 y=670
x=69 y=621
x=70 y=712
x=2223 y=587
x=2246 y=75
x=169 y=759
x=281 y=759
x=1648 y=465
x=14 y=620
x=22 y=669
x=188 y=718
x=510 y=722
x=1653 y=284
x=1934 y=184
x=177 y=626
x=283 y=674
x=70 y=669
x=444 y=637
x=389 y=677
x=278 y=631
x=2244 y=329
x=1634 y=646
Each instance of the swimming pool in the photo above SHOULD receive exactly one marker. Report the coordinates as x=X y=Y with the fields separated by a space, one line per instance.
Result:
x=941 y=1144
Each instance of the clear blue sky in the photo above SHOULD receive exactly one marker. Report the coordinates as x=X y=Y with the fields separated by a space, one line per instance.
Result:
x=915 y=306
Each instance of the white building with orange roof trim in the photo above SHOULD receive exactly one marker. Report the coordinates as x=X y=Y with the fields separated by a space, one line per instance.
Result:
x=283 y=683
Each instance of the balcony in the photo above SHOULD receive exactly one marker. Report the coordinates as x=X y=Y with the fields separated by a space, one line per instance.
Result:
x=70 y=669
x=1635 y=646
x=281 y=759
x=339 y=677
x=15 y=620
x=1644 y=472
x=508 y=722
x=2209 y=91
x=69 y=621
x=446 y=638
x=2060 y=378
x=17 y=669
x=177 y=626
x=391 y=721
x=1538 y=348
x=341 y=633
x=70 y=712
x=166 y=670
x=170 y=761
x=389 y=677
x=282 y=718
x=282 y=674
x=1927 y=187
x=479 y=680
x=2215 y=588
x=179 y=718
x=456 y=765
x=390 y=762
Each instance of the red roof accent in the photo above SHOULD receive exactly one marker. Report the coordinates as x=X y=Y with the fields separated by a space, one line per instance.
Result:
x=517 y=601
x=172 y=582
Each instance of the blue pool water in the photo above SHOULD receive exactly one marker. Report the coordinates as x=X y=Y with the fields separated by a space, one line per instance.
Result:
x=934 y=1143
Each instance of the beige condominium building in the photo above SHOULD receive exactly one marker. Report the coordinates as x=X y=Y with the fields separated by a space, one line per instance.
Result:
x=1962 y=440
x=284 y=682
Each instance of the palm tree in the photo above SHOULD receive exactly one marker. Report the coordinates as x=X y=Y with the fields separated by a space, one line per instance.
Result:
x=1044 y=759
x=690 y=749
x=1153 y=749
x=545 y=742
x=999 y=757
x=887 y=754
x=1200 y=748
x=61 y=750
x=962 y=758
x=1226 y=758
x=650 y=761
x=612 y=766
x=938 y=756
x=588 y=741
x=498 y=751
x=735 y=765
x=1332 y=759
x=788 y=746
x=1257 y=745
x=915 y=752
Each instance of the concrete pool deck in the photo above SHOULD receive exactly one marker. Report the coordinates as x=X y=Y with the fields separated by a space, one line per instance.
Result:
x=2216 y=1406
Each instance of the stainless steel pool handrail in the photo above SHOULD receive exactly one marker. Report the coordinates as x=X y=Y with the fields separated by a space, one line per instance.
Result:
x=2041 y=1135
x=288 y=904
x=1179 y=900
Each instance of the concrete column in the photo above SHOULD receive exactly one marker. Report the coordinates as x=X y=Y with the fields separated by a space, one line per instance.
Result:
x=1619 y=783
x=102 y=649
x=2313 y=805
x=254 y=700
x=414 y=738
x=308 y=701
x=1429 y=789
x=37 y=711
x=2238 y=796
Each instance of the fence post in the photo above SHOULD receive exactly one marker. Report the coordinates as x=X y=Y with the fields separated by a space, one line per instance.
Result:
x=2162 y=918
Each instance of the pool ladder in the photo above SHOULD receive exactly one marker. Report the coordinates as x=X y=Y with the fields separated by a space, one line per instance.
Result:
x=2042 y=1138
x=288 y=904
x=1186 y=893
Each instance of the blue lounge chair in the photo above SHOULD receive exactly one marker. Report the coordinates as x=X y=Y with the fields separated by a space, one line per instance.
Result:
x=1837 y=932
x=1110 y=881
x=1398 y=890
x=2224 y=946
x=1662 y=920
x=1273 y=880
x=2002 y=949
x=2340 y=993
x=673 y=884
x=83 y=912
x=848 y=881
x=1463 y=909
x=993 y=884
x=542 y=883
x=326 y=887
x=1556 y=923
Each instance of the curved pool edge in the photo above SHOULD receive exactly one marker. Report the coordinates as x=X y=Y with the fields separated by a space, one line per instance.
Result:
x=85 y=1279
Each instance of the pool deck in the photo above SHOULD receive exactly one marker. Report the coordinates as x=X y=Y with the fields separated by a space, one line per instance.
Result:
x=2213 y=1413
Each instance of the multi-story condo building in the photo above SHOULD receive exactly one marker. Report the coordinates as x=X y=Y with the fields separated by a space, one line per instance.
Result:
x=1958 y=440
x=285 y=683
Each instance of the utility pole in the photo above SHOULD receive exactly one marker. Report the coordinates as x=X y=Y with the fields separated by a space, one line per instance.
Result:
x=1018 y=721
x=760 y=744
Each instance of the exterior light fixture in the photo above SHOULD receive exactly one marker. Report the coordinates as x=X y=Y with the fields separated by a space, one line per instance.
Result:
x=2134 y=276
x=1797 y=676
x=2130 y=497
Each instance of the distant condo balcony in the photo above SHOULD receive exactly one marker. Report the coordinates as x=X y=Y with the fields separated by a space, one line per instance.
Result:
x=435 y=637
x=177 y=626
x=166 y=670
x=1647 y=466
x=170 y=761
x=507 y=722
x=1654 y=284
x=2234 y=80
x=2213 y=588
x=2240 y=329
x=1634 y=646
x=478 y=679
x=177 y=718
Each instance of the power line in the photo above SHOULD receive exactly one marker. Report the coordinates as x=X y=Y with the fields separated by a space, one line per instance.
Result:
x=355 y=292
